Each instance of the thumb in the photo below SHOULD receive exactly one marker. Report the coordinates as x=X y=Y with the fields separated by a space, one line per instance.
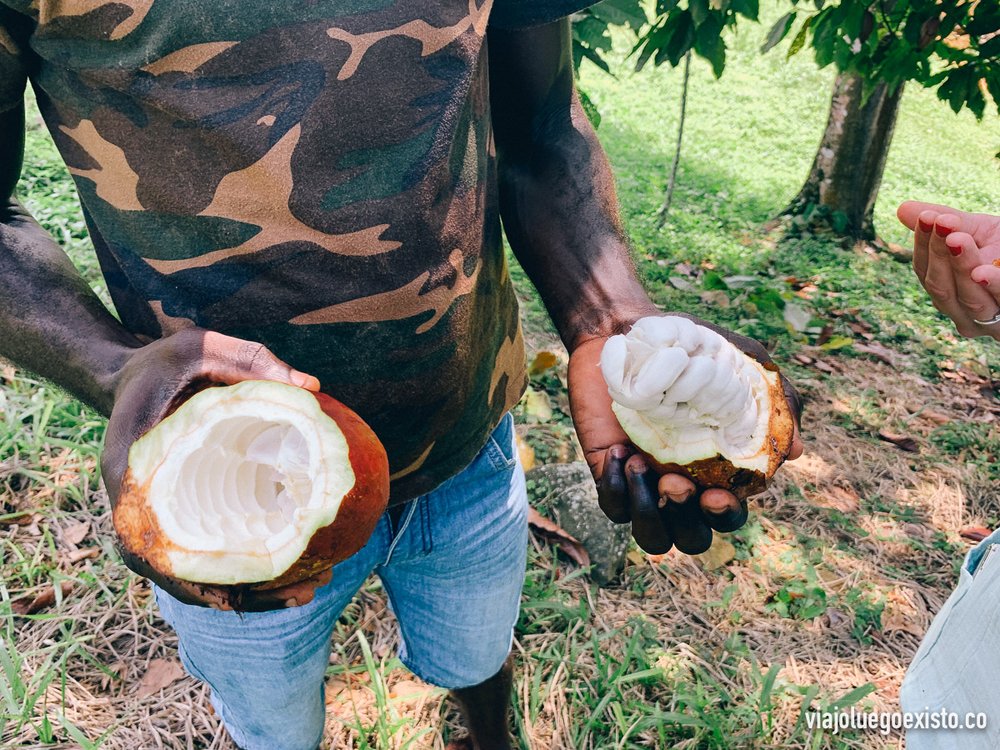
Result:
x=230 y=360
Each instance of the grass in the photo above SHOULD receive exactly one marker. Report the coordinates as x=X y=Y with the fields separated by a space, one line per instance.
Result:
x=831 y=583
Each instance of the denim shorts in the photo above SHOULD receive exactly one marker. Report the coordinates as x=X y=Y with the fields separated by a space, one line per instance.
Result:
x=452 y=570
x=955 y=668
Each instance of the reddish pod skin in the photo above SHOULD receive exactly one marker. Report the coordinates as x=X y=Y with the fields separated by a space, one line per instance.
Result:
x=360 y=509
x=356 y=519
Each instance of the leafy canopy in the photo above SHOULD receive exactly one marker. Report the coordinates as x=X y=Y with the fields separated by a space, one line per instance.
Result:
x=953 y=45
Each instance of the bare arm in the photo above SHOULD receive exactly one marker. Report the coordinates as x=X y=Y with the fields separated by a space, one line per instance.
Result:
x=51 y=322
x=557 y=192
x=560 y=213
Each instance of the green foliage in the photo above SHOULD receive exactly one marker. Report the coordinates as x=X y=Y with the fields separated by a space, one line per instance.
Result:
x=697 y=26
x=592 y=30
x=801 y=599
x=952 y=45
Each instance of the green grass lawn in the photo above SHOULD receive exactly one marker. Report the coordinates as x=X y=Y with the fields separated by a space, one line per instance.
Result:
x=830 y=585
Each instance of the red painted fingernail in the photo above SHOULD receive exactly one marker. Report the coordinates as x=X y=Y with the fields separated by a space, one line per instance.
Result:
x=925 y=226
x=941 y=231
x=956 y=251
x=984 y=282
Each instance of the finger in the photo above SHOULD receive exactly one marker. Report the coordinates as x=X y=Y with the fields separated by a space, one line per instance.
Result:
x=794 y=400
x=921 y=237
x=988 y=277
x=977 y=302
x=723 y=511
x=230 y=360
x=612 y=491
x=909 y=213
x=647 y=525
x=687 y=525
x=940 y=279
x=674 y=487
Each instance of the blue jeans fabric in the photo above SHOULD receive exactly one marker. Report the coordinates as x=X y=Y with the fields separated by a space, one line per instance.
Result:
x=453 y=572
x=956 y=666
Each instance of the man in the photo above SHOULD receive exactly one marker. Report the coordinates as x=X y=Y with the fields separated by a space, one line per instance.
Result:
x=318 y=186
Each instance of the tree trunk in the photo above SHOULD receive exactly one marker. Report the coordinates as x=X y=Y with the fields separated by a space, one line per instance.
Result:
x=847 y=170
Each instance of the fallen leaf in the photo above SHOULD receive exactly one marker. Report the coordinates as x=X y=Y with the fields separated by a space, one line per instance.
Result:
x=87 y=553
x=679 y=282
x=936 y=417
x=836 y=618
x=684 y=269
x=803 y=359
x=974 y=533
x=29 y=605
x=719 y=554
x=797 y=317
x=551 y=530
x=736 y=282
x=525 y=452
x=902 y=442
x=715 y=297
x=824 y=367
x=411 y=691
x=18 y=519
x=76 y=532
x=904 y=612
x=543 y=361
x=843 y=499
x=881 y=353
x=160 y=674
x=825 y=334
x=636 y=557
x=837 y=342
x=537 y=405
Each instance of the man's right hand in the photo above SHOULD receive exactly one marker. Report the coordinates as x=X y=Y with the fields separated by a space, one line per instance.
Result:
x=155 y=380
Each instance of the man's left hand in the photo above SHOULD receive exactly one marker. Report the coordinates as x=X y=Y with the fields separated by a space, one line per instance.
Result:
x=628 y=488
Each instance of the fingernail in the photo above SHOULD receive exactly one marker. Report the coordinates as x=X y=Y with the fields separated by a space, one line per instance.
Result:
x=304 y=381
x=678 y=497
x=941 y=231
x=925 y=226
x=291 y=602
x=955 y=251
x=619 y=452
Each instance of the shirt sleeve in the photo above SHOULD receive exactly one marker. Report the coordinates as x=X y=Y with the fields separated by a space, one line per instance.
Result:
x=13 y=60
x=519 y=14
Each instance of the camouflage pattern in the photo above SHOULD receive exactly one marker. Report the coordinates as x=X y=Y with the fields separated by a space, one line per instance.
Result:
x=316 y=176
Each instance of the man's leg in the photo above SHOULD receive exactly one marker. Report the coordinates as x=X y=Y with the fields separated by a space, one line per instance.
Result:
x=266 y=669
x=485 y=708
x=454 y=580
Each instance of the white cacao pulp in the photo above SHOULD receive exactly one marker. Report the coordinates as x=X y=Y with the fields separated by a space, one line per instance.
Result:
x=232 y=487
x=684 y=394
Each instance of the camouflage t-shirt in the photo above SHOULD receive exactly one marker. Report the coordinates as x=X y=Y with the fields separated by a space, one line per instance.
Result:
x=317 y=176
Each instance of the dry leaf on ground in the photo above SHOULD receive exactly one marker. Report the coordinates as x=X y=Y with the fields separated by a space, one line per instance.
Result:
x=76 y=532
x=542 y=362
x=567 y=543
x=903 y=442
x=161 y=673
x=29 y=605
x=719 y=554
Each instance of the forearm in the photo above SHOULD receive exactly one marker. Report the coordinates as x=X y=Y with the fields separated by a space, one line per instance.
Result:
x=51 y=322
x=561 y=216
